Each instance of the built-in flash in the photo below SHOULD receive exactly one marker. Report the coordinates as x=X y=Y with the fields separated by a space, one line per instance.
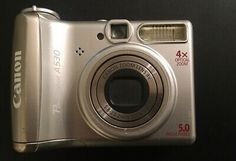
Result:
x=152 y=33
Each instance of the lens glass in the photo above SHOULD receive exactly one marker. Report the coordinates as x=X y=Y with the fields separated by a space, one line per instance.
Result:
x=119 y=31
x=126 y=91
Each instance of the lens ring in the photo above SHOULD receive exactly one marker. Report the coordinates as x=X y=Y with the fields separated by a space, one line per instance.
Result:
x=121 y=116
x=150 y=107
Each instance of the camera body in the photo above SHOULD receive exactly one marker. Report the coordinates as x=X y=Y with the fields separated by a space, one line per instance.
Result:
x=99 y=83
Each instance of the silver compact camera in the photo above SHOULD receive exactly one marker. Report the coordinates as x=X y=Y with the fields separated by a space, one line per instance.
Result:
x=96 y=83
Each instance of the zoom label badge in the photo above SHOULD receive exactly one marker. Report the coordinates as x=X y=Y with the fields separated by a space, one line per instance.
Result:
x=182 y=58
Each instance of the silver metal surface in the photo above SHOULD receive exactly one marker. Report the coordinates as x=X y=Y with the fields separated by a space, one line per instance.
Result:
x=25 y=147
x=56 y=143
x=25 y=120
x=41 y=10
x=53 y=65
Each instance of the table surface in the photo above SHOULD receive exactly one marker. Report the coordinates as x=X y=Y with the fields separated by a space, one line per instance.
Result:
x=214 y=23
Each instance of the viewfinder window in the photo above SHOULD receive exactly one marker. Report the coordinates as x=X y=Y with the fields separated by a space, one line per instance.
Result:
x=119 y=31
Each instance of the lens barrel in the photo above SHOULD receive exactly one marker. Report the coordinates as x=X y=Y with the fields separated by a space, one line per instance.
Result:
x=127 y=91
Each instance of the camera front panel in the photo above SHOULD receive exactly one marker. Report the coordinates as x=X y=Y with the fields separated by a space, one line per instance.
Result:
x=101 y=81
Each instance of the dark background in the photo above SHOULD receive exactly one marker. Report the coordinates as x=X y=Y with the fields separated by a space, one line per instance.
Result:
x=214 y=23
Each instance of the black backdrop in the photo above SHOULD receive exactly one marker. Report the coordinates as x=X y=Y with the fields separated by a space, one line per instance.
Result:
x=214 y=23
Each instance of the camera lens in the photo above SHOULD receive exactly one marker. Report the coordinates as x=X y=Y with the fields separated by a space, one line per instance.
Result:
x=126 y=91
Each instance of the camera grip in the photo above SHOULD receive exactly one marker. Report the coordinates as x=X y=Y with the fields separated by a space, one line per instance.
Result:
x=26 y=80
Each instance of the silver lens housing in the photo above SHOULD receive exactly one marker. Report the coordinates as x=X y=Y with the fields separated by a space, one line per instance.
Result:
x=112 y=124
x=152 y=104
